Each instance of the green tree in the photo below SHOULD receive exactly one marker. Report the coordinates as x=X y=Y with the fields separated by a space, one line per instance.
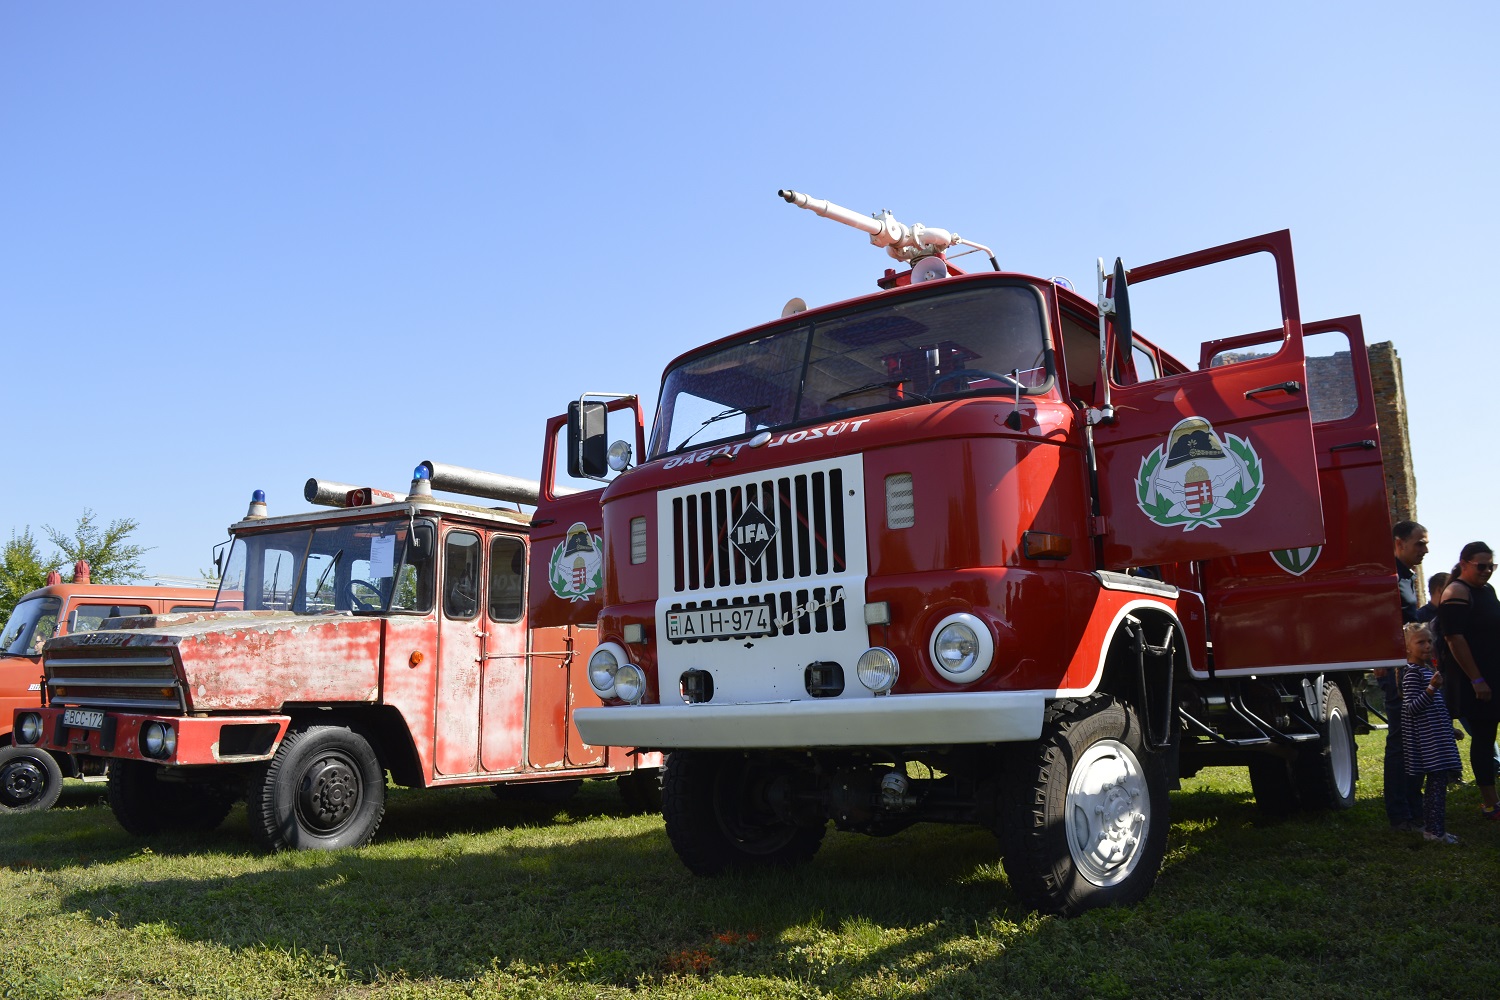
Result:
x=111 y=557
x=22 y=570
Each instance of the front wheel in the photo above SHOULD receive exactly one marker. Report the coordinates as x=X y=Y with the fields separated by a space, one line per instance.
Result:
x=324 y=789
x=144 y=804
x=717 y=819
x=1084 y=823
x=30 y=779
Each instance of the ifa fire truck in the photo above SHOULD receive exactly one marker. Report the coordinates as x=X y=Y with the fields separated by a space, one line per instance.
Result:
x=388 y=634
x=31 y=776
x=971 y=550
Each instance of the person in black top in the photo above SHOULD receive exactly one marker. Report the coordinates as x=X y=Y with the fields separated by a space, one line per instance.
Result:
x=1470 y=616
x=1403 y=792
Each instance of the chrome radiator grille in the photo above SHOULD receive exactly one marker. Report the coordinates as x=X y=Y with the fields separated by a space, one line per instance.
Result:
x=807 y=511
x=147 y=681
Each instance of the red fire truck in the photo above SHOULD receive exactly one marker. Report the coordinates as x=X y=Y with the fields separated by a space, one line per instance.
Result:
x=970 y=550
x=30 y=776
x=386 y=635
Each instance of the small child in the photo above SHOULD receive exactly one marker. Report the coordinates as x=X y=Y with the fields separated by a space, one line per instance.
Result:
x=1427 y=731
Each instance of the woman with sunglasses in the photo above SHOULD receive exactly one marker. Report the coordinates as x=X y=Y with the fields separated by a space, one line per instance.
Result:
x=1470 y=616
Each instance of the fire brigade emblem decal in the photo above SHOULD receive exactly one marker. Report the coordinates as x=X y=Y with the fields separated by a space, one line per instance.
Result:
x=1296 y=561
x=1198 y=479
x=576 y=571
x=752 y=533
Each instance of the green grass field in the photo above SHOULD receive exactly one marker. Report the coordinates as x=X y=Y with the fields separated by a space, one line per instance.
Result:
x=465 y=896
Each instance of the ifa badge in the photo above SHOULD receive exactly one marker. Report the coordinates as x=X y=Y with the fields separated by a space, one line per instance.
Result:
x=1296 y=561
x=576 y=570
x=1198 y=479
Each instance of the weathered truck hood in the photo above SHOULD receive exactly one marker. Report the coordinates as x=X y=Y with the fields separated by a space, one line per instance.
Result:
x=249 y=660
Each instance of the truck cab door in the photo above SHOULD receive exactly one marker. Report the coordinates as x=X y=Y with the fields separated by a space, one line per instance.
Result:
x=565 y=596
x=1332 y=605
x=1216 y=462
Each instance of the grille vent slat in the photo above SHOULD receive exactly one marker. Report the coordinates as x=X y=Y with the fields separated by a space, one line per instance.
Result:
x=807 y=511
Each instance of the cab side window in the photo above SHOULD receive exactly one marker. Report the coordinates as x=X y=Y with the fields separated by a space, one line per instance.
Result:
x=88 y=617
x=507 y=578
x=1081 y=357
x=462 y=558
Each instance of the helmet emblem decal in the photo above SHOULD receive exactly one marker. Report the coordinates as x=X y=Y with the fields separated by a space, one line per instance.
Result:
x=1199 y=479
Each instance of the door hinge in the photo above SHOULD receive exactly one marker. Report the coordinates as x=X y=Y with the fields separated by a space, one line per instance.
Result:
x=1098 y=527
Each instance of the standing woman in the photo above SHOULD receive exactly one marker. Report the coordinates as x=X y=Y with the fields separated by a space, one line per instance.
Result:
x=1470 y=616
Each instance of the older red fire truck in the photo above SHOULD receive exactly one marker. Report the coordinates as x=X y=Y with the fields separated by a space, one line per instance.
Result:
x=970 y=550
x=387 y=635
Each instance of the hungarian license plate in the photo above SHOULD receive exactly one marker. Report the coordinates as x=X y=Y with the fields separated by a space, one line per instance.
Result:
x=716 y=623
x=83 y=718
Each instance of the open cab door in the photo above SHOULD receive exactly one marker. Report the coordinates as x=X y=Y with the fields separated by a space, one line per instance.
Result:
x=566 y=588
x=1210 y=463
x=1321 y=607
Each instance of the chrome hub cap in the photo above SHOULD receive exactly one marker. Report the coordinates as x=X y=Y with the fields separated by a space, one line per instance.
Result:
x=1107 y=813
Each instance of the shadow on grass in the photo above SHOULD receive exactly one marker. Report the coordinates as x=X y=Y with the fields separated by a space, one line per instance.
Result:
x=607 y=906
x=573 y=893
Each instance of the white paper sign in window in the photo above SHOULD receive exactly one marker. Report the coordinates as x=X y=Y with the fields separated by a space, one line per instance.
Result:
x=382 y=557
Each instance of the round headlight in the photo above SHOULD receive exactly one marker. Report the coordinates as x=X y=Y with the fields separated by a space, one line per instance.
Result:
x=153 y=739
x=168 y=740
x=29 y=728
x=962 y=647
x=619 y=456
x=603 y=666
x=630 y=683
x=878 y=669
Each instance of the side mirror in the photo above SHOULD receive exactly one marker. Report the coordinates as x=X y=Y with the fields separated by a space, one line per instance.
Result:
x=1124 y=338
x=588 y=454
x=420 y=549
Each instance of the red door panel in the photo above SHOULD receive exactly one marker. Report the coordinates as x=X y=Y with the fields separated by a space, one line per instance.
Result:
x=1330 y=605
x=1215 y=462
x=565 y=598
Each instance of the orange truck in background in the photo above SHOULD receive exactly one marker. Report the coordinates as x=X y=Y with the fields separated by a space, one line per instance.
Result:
x=31 y=776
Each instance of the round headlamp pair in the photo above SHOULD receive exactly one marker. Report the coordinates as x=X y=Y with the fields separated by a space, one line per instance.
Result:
x=29 y=729
x=158 y=739
x=612 y=675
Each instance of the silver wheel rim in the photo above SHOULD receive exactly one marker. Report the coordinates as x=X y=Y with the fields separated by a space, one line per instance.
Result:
x=1107 y=813
x=1340 y=756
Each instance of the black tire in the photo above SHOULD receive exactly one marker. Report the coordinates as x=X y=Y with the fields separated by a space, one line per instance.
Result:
x=30 y=779
x=1084 y=823
x=716 y=824
x=145 y=805
x=324 y=789
x=1327 y=774
x=1274 y=787
x=641 y=790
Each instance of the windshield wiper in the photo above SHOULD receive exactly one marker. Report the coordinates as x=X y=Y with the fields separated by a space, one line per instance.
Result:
x=746 y=410
x=319 y=589
x=894 y=383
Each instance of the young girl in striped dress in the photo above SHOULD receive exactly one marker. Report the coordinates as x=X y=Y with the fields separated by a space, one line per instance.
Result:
x=1427 y=731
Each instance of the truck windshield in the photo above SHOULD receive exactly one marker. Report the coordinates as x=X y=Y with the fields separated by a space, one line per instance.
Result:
x=363 y=567
x=31 y=623
x=967 y=340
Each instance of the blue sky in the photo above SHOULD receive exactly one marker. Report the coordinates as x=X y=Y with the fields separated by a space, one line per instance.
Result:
x=245 y=244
